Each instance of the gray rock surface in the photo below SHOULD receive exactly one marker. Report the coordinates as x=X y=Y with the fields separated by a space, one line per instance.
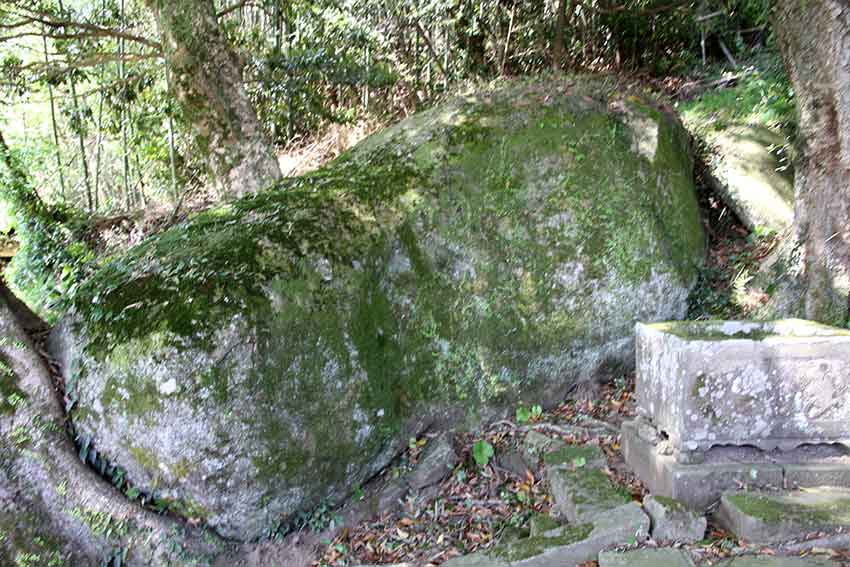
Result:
x=774 y=561
x=673 y=521
x=437 y=462
x=539 y=524
x=583 y=494
x=536 y=444
x=514 y=463
x=575 y=544
x=765 y=517
x=745 y=383
x=276 y=352
x=576 y=456
x=746 y=173
x=662 y=557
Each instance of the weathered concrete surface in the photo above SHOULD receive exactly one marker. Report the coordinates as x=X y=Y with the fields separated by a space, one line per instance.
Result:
x=773 y=561
x=698 y=486
x=581 y=495
x=771 y=385
x=745 y=173
x=781 y=516
x=673 y=521
x=814 y=474
x=664 y=557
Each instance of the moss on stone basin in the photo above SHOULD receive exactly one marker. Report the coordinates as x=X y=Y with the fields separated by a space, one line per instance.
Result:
x=276 y=351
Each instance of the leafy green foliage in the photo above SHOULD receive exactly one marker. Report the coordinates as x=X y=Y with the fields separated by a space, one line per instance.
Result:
x=482 y=452
x=52 y=254
x=524 y=414
x=763 y=96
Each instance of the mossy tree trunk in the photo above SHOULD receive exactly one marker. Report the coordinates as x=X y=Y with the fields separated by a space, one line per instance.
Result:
x=207 y=80
x=815 y=40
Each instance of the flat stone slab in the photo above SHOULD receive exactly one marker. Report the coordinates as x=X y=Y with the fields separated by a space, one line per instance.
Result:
x=673 y=521
x=778 y=384
x=437 y=463
x=581 y=494
x=573 y=544
x=780 y=516
x=536 y=444
x=576 y=456
x=774 y=561
x=746 y=173
x=663 y=557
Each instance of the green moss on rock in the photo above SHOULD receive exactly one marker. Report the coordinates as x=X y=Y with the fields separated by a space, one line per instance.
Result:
x=479 y=253
x=536 y=545
x=577 y=455
x=775 y=509
x=539 y=524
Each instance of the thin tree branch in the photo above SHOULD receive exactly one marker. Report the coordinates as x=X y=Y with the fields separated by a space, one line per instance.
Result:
x=91 y=29
x=91 y=61
x=627 y=8
x=430 y=46
x=233 y=7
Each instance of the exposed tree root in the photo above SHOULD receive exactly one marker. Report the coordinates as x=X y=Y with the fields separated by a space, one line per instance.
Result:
x=54 y=510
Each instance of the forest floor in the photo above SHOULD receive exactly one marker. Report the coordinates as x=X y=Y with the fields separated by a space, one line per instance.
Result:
x=477 y=505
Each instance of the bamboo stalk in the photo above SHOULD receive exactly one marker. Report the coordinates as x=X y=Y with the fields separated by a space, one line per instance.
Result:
x=59 y=167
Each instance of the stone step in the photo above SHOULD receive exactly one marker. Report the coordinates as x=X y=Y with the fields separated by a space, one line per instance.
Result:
x=576 y=456
x=662 y=557
x=774 y=561
x=701 y=485
x=779 y=516
x=566 y=545
x=673 y=521
x=581 y=494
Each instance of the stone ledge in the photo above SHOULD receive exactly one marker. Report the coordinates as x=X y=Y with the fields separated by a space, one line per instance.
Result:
x=566 y=545
x=775 y=561
x=780 y=516
x=701 y=485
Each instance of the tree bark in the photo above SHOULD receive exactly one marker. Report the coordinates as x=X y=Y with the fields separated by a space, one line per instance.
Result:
x=814 y=37
x=207 y=80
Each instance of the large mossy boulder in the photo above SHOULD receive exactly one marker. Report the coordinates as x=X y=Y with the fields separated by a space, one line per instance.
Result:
x=275 y=352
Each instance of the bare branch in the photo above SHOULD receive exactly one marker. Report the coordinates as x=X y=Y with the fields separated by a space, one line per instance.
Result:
x=641 y=12
x=90 y=61
x=91 y=30
x=233 y=7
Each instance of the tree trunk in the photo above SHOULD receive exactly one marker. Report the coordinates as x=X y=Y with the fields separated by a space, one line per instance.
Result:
x=817 y=64
x=207 y=80
x=558 y=49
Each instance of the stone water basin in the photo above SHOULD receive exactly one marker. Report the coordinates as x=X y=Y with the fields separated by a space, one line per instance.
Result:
x=771 y=385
